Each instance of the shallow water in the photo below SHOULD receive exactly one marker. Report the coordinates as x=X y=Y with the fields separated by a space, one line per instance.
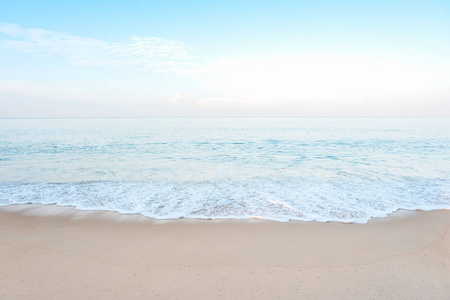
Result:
x=324 y=169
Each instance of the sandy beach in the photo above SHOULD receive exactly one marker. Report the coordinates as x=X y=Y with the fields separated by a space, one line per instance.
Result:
x=51 y=252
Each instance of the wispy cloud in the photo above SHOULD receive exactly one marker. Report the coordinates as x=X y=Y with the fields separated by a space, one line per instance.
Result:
x=227 y=103
x=151 y=53
x=60 y=92
x=175 y=99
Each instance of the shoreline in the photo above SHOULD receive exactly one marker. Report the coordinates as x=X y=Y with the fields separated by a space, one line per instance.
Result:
x=50 y=251
x=53 y=209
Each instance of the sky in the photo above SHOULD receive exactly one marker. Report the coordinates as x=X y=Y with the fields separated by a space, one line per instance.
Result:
x=224 y=58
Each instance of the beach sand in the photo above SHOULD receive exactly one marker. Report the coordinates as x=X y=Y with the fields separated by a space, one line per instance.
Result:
x=51 y=252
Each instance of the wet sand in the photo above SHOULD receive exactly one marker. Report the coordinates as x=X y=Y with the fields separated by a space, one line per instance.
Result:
x=51 y=252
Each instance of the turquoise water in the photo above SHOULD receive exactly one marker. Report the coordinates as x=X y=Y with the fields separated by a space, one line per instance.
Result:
x=324 y=169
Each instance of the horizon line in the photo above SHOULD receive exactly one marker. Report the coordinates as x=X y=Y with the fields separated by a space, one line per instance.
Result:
x=215 y=117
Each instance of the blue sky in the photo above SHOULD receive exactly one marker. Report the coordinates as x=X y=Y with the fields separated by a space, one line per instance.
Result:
x=224 y=58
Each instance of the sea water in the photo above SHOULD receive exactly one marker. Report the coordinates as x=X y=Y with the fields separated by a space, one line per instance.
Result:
x=324 y=169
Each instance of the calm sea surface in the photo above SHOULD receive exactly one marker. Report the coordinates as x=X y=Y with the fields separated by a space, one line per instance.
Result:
x=325 y=169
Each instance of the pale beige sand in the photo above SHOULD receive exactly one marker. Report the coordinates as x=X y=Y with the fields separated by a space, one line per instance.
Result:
x=50 y=252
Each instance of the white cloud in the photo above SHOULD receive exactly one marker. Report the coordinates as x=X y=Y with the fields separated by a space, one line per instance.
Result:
x=175 y=99
x=304 y=78
x=229 y=103
x=324 y=85
x=145 y=52
x=60 y=92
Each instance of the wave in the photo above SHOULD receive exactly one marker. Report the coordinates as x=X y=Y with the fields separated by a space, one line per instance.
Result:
x=272 y=199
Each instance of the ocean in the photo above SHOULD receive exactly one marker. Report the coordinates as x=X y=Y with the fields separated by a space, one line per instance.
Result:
x=323 y=169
